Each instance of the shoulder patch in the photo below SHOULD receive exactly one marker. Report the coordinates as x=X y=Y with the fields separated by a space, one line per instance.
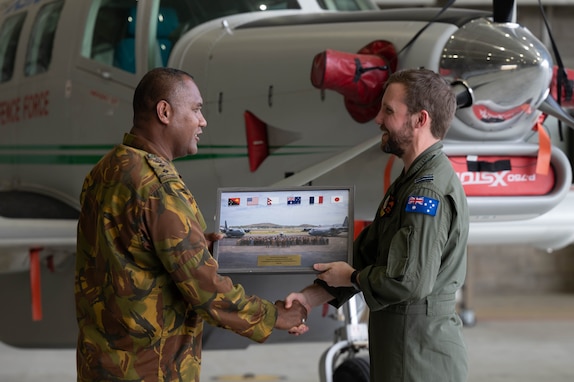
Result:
x=162 y=169
x=425 y=178
x=422 y=205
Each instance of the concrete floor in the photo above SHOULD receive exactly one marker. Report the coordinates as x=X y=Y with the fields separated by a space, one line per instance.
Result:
x=516 y=338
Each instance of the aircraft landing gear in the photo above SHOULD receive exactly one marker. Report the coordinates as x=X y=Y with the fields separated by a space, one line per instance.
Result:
x=352 y=370
x=349 y=340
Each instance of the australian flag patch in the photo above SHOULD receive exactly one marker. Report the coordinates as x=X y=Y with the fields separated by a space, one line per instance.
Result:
x=422 y=205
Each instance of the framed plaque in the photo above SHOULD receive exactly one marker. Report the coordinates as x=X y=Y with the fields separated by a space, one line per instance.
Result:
x=284 y=230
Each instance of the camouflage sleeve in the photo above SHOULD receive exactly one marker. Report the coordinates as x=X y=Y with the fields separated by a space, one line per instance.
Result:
x=176 y=228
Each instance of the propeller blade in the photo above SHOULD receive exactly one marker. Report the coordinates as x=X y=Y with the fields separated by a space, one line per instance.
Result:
x=551 y=107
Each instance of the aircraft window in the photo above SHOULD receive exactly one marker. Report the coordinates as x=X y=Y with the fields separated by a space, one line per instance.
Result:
x=177 y=17
x=168 y=30
x=346 y=5
x=39 y=54
x=269 y=5
x=9 y=36
x=109 y=36
x=194 y=12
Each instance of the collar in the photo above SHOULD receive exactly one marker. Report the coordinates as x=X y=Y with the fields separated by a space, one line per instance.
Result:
x=141 y=143
x=425 y=156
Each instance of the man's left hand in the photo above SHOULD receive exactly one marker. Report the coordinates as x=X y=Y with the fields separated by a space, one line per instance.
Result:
x=337 y=274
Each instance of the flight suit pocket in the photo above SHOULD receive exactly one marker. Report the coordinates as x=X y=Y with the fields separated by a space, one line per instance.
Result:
x=399 y=253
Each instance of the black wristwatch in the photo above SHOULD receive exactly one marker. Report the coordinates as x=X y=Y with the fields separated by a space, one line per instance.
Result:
x=354 y=279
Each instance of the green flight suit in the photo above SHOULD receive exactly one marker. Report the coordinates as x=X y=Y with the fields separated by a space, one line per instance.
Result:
x=145 y=280
x=412 y=260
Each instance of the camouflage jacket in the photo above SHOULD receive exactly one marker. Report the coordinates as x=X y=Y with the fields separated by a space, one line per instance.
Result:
x=145 y=279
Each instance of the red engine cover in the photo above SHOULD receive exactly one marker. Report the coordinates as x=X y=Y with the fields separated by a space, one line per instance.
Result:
x=502 y=176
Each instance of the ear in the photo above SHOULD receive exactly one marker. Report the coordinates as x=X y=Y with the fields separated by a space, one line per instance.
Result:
x=422 y=118
x=163 y=110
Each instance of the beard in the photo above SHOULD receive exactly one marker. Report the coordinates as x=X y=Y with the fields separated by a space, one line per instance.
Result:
x=397 y=142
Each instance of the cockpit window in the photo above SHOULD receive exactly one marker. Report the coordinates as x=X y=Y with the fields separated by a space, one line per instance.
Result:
x=194 y=12
x=9 y=36
x=110 y=32
x=41 y=42
x=345 y=5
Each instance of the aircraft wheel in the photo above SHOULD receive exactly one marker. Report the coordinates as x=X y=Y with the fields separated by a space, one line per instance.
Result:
x=352 y=370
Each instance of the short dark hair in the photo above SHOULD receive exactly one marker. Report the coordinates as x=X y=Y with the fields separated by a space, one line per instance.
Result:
x=427 y=90
x=155 y=85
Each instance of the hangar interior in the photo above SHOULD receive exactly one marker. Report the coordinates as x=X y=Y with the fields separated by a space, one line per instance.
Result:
x=504 y=283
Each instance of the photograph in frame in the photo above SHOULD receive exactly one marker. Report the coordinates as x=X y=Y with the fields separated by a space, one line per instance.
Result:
x=284 y=230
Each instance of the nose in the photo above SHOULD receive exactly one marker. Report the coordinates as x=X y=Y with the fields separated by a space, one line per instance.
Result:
x=379 y=119
x=202 y=121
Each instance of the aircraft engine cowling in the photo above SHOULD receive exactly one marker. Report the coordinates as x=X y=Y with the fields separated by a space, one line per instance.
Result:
x=359 y=77
x=508 y=78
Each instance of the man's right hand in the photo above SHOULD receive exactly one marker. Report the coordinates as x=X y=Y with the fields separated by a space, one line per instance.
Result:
x=287 y=319
x=297 y=297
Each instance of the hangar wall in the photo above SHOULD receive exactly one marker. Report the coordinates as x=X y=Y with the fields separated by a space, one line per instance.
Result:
x=521 y=269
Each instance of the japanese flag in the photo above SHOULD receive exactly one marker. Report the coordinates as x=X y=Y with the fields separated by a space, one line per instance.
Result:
x=336 y=199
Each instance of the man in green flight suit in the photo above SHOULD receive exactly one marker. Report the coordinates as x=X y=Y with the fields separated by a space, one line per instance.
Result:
x=412 y=259
x=145 y=279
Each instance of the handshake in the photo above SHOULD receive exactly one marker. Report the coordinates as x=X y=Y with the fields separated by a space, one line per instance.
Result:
x=292 y=314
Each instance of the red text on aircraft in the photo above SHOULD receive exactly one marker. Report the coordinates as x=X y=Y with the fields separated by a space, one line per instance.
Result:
x=104 y=97
x=18 y=109
x=36 y=105
x=10 y=111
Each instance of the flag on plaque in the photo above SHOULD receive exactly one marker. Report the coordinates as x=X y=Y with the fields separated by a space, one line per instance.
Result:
x=272 y=200
x=294 y=200
x=233 y=201
x=336 y=199
x=316 y=199
x=253 y=201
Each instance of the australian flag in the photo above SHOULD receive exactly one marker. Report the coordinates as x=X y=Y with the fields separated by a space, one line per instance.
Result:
x=294 y=200
x=422 y=205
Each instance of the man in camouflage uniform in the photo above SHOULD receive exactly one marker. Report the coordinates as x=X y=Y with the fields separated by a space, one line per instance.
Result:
x=411 y=260
x=145 y=278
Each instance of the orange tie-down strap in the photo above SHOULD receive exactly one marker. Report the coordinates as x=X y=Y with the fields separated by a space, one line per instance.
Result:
x=544 y=149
